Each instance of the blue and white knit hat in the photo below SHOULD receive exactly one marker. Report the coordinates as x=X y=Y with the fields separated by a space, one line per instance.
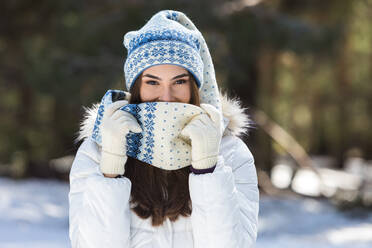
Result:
x=170 y=37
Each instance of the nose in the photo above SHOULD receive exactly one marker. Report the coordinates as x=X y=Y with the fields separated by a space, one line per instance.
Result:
x=166 y=95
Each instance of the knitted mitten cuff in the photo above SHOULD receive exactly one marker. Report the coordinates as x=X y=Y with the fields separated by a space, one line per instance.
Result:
x=205 y=163
x=202 y=171
x=112 y=163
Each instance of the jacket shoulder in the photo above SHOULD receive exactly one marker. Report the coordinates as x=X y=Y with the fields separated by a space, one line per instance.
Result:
x=238 y=156
x=87 y=160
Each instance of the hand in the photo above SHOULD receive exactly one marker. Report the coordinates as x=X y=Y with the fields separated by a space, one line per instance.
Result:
x=116 y=124
x=205 y=133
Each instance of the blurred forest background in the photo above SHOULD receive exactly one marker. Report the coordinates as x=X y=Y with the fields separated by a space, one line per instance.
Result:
x=302 y=68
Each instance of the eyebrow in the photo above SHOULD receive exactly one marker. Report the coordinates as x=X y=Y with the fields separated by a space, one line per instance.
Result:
x=155 y=77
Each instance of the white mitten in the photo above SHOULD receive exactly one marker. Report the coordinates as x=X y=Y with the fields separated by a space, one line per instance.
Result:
x=116 y=124
x=205 y=133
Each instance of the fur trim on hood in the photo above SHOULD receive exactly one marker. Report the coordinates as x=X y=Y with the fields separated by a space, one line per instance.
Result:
x=237 y=122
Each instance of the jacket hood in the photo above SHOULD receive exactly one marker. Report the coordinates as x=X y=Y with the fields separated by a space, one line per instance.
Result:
x=236 y=121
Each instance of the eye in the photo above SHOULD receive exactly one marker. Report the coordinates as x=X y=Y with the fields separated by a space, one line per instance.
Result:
x=151 y=82
x=182 y=81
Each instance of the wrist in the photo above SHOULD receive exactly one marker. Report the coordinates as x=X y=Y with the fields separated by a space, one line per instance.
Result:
x=112 y=163
x=202 y=171
x=111 y=175
x=114 y=152
x=204 y=163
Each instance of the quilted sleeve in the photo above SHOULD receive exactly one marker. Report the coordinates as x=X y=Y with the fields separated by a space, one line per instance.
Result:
x=225 y=203
x=99 y=214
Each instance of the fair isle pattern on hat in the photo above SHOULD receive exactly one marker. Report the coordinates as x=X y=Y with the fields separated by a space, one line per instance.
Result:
x=154 y=35
x=170 y=26
x=159 y=144
x=163 y=52
x=162 y=41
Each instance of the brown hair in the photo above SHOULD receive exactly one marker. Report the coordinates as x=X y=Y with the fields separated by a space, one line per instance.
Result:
x=155 y=192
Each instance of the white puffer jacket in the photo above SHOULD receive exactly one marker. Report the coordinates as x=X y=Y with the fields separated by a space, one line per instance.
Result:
x=225 y=203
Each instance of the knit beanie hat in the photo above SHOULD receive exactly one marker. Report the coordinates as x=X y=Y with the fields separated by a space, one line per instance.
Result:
x=170 y=37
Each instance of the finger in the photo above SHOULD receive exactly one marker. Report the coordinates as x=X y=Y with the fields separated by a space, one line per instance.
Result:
x=205 y=119
x=185 y=133
x=213 y=113
x=131 y=123
x=199 y=120
x=133 y=127
x=110 y=108
x=125 y=116
x=192 y=128
x=118 y=113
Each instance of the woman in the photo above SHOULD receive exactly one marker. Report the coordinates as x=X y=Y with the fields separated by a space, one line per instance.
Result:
x=118 y=200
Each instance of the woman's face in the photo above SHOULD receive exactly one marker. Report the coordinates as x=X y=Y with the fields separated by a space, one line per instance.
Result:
x=165 y=83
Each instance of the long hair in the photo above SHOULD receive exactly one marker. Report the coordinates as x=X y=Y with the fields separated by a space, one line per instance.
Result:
x=155 y=192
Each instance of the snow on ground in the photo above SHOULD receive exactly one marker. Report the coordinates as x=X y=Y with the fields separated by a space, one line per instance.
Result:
x=34 y=214
x=305 y=222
